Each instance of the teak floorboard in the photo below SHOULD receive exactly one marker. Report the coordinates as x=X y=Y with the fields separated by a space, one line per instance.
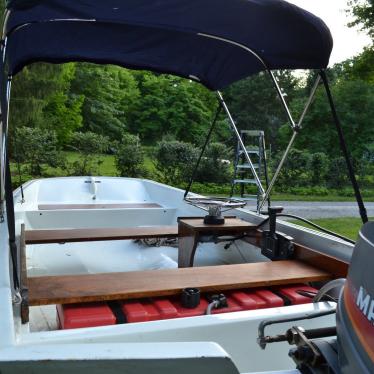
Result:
x=129 y=285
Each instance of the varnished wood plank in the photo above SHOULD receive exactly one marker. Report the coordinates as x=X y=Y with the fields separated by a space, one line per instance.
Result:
x=230 y=225
x=120 y=286
x=325 y=262
x=97 y=206
x=99 y=234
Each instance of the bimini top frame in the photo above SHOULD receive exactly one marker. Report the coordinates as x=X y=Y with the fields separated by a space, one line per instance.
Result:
x=214 y=42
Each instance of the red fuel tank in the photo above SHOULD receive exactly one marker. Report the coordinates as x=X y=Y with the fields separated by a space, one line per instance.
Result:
x=296 y=295
x=101 y=314
x=73 y=316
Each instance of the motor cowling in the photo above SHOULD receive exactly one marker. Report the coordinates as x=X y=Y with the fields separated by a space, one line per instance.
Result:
x=355 y=315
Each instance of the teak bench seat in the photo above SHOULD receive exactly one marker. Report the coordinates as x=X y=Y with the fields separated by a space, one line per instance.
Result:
x=68 y=289
x=99 y=234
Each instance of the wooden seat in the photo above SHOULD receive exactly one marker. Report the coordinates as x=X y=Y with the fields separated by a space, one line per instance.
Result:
x=99 y=234
x=97 y=206
x=120 y=286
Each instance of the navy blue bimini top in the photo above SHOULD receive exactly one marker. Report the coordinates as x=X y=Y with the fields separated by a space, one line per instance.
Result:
x=215 y=42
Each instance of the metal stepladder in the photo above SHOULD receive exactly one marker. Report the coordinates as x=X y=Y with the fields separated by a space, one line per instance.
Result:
x=254 y=141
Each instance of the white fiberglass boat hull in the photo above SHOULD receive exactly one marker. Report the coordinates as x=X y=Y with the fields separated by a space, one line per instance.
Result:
x=224 y=343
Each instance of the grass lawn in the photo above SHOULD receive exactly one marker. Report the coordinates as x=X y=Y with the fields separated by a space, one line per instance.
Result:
x=333 y=197
x=348 y=227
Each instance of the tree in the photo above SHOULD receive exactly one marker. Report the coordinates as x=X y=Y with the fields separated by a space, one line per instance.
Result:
x=90 y=146
x=109 y=95
x=171 y=105
x=318 y=166
x=295 y=169
x=41 y=98
x=354 y=99
x=36 y=149
x=63 y=114
x=338 y=174
x=255 y=104
x=129 y=157
x=363 y=12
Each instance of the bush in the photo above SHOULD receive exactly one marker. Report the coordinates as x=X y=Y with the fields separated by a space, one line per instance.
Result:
x=129 y=157
x=215 y=166
x=318 y=166
x=174 y=161
x=89 y=146
x=295 y=170
x=338 y=174
x=37 y=149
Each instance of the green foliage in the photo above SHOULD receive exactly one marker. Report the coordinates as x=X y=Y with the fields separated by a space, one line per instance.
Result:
x=338 y=174
x=90 y=147
x=294 y=171
x=37 y=92
x=318 y=167
x=109 y=95
x=36 y=149
x=171 y=105
x=63 y=115
x=129 y=157
x=215 y=164
x=363 y=11
x=255 y=104
x=174 y=161
x=355 y=105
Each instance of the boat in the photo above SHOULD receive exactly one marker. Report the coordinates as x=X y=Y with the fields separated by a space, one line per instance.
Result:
x=108 y=275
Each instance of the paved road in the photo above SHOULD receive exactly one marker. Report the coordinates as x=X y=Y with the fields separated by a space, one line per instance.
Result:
x=310 y=210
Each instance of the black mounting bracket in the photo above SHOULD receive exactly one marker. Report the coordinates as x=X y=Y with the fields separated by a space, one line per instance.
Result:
x=276 y=245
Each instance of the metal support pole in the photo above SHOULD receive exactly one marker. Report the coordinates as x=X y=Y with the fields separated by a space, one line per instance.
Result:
x=4 y=106
x=276 y=174
x=4 y=136
x=233 y=126
x=283 y=101
x=344 y=148
x=309 y=102
x=296 y=129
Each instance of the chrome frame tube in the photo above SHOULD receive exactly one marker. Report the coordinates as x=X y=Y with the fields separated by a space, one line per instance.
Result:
x=3 y=134
x=280 y=94
x=4 y=137
x=309 y=102
x=233 y=126
x=296 y=129
x=279 y=168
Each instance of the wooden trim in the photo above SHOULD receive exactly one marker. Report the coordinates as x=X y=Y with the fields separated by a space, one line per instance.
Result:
x=338 y=268
x=23 y=278
x=310 y=256
x=97 y=206
x=120 y=286
x=100 y=234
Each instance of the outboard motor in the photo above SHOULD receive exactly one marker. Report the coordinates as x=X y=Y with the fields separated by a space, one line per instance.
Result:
x=353 y=350
x=355 y=315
